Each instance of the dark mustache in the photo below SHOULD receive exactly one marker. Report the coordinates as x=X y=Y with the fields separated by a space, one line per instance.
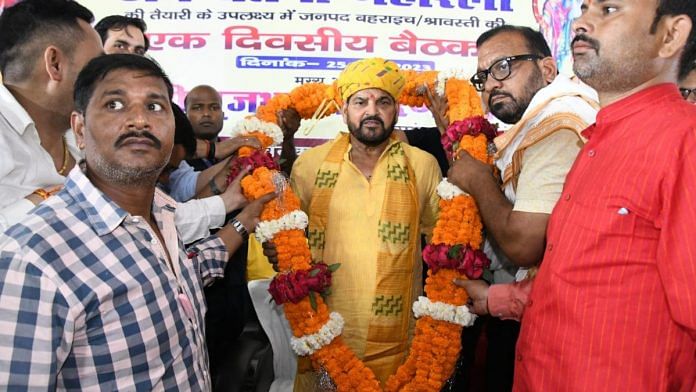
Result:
x=144 y=134
x=582 y=37
x=371 y=118
x=496 y=93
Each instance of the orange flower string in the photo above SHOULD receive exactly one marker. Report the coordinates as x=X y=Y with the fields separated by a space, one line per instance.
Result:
x=435 y=347
x=308 y=97
x=412 y=94
x=268 y=111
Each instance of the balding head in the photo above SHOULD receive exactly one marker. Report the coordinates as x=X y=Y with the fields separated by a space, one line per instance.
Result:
x=204 y=109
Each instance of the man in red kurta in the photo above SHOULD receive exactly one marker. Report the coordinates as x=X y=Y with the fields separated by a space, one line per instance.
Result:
x=614 y=304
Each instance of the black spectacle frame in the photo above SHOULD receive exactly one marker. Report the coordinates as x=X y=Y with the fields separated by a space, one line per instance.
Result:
x=500 y=70
x=685 y=92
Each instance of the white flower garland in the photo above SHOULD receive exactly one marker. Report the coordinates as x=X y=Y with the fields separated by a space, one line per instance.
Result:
x=253 y=124
x=442 y=76
x=295 y=220
x=444 y=312
x=448 y=191
x=309 y=344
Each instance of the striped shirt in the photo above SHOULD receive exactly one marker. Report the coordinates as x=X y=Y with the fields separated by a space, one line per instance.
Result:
x=613 y=307
x=88 y=300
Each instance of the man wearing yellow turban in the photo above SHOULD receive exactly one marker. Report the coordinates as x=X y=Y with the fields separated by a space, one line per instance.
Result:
x=369 y=197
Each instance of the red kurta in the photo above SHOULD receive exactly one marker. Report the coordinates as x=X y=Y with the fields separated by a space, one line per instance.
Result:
x=613 y=307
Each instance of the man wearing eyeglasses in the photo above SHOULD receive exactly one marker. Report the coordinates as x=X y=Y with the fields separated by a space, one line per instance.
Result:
x=687 y=85
x=520 y=84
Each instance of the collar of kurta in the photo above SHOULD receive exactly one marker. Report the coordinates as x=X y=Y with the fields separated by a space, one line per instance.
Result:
x=636 y=103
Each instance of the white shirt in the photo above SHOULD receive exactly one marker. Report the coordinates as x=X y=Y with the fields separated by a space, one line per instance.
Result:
x=24 y=164
x=196 y=217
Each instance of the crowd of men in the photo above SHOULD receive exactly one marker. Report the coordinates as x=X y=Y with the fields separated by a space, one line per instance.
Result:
x=123 y=248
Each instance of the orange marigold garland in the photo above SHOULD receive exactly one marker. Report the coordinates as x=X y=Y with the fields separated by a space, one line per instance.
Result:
x=454 y=252
x=412 y=93
x=308 y=97
x=269 y=111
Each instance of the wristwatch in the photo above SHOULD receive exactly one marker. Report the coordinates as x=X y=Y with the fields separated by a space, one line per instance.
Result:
x=239 y=227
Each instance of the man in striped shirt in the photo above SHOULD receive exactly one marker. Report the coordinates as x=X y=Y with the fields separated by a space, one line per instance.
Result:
x=96 y=289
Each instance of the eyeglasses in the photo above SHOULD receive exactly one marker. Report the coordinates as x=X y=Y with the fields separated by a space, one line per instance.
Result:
x=685 y=92
x=500 y=70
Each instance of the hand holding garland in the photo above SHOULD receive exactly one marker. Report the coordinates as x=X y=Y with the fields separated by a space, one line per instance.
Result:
x=289 y=121
x=521 y=235
x=217 y=150
x=439 y=108
x=232 y=197
x=478 y=295
x=227 y=147
x=249 y=218
x=213 y=180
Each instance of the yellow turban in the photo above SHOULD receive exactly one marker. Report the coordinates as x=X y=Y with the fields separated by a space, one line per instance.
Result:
x=370 y=73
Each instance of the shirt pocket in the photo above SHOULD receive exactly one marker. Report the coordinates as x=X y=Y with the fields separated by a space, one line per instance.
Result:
x=614 y=218
x=608 y=233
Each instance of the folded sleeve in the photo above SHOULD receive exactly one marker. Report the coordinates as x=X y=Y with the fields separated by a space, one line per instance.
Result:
x=507 y=301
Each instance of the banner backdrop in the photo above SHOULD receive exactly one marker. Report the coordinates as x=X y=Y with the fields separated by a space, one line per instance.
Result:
x=250 y=50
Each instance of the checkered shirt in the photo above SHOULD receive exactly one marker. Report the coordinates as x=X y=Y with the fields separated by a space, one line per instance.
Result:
x=88 y=301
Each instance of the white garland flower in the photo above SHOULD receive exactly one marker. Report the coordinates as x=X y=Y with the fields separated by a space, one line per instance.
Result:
x=309 y=344
x=442 y=76
x=294 y=220
x=448 y=191
x=253 y=124
x=444 y=312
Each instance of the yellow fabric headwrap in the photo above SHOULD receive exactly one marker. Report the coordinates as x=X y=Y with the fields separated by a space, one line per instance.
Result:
x=370 y=73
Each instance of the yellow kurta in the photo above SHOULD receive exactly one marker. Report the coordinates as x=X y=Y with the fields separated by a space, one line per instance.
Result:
x=352 y=238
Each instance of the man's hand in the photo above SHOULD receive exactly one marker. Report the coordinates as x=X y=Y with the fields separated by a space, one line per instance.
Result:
x=269 y=250
x=232 y=197
x=228 y=147
x=466 y=172
x=478 y=295
x=249 y=216
x=289 y=121
x=439 y=108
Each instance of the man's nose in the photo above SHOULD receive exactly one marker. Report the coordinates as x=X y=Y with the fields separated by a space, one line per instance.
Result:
x=491 y=84
x=138 y=118
x=371 y=108
x=583 y=23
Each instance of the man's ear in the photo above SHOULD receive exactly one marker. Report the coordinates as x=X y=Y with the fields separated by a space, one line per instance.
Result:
x=676 y=31
x=54 y=60
x=344 y=112
x=549 y=69
x=77 y=123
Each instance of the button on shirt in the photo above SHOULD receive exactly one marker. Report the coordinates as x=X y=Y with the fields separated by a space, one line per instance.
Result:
x=89 y=301
x=615 y=301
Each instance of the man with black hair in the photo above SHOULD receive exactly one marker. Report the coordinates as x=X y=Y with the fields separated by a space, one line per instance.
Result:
x=195 y=218
x=612 y=307
x=96 y=288
x=520 y=84
x=43 y=46
x=687 y=85
x=123 y=34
